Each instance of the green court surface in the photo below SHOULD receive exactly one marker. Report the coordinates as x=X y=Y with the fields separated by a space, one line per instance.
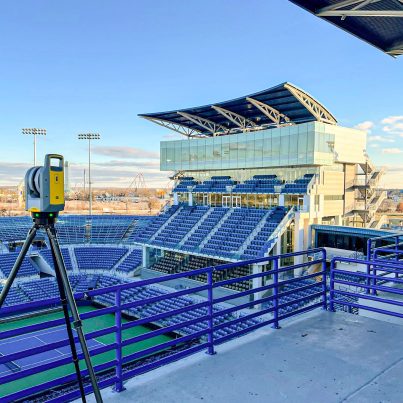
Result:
x=89 y=325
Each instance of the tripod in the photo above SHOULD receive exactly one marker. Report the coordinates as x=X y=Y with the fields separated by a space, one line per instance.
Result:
x=47 y=222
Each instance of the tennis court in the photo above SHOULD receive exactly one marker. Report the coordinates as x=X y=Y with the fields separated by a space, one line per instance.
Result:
x=37 y=339
x=43 y=337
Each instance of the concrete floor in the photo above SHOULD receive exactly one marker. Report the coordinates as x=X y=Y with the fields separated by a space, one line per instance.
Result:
x=322 y=357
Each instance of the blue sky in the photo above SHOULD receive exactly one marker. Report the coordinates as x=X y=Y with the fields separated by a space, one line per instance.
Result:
x=79 y=66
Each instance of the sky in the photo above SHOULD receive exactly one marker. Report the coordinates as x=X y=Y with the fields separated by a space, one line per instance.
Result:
x=91 y=66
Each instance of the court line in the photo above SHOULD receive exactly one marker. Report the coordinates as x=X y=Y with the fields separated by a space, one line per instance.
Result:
x=47 y=359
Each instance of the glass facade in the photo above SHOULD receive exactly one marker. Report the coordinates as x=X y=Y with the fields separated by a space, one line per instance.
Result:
x=304 y=144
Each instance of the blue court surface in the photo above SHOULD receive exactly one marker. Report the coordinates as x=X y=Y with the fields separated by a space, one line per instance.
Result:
x=37 y=339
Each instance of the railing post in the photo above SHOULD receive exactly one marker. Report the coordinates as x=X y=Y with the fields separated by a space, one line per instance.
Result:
x=368 y=281
x=374 y=281
x=397 y=252
x=331 y=293
x=118 y=324
x=210 y=310
x=275 y=293
x=324 y=279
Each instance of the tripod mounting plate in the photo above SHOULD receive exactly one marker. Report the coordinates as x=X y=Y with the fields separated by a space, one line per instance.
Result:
x=43 y=219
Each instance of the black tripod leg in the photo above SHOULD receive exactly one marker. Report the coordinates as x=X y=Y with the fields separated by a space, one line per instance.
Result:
x=73 y=348
x=51 y=232
x=17 y=264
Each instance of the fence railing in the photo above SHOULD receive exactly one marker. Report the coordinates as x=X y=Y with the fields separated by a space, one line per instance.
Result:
x=194 y=323
x=381 y=277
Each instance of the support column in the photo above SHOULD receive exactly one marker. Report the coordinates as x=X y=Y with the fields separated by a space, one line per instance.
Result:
x=298 y=241
x=190 y=199
x=176 y=202
x=146 y=257
x=256 y=283
x=281 y=199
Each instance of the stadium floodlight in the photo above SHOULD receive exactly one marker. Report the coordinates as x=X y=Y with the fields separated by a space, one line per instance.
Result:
x=34 y=132
x=44 y=187
x=89 y=137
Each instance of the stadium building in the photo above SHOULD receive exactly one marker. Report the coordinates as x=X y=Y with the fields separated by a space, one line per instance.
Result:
x=275 y=161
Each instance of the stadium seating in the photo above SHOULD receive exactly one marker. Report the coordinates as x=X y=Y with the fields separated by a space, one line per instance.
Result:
x=259 y=184
x=100 y=258
x=131 y=262
x=217 y=184
x=47 y=255
x=259 y=244
x=7 y=261
x=156 y=223
x=184 y=183
x=299 y=186
x=176 y=230
x=234 y=231
x=195 y=239
x=264 y=184
x=14 y=228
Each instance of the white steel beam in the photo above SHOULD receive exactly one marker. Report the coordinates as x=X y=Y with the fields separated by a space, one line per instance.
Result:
x=361 y=13
x=239 y=120
x=341 y=4
x=273 y=114
x=207 y=124
x=179 y=128
x=317 y=110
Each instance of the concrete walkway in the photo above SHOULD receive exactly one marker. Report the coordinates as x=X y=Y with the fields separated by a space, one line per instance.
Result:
x=323 y=357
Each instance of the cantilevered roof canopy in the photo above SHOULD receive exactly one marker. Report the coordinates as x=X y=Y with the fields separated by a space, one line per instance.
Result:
x=378 y=22
x=284 y=104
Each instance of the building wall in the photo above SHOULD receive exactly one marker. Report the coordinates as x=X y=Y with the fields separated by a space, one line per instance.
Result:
x=311 y=143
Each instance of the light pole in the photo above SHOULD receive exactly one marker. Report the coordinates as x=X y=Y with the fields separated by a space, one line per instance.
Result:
x=35 y=132
x=89 y=137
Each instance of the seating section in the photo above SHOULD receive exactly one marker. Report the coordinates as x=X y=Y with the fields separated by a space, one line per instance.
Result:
x=195 y=239
x=299 y=186
x=289 y=300
x=150 y=310
x=259 y=184
x=259 y=244
x=7 y=261
x=216 y=231
x=176 y=229
x=14 y=228
x=234 y=231
x=15 y=297
x=98 y=258
x=156 y=223
x=47 y=255
x=217 y=184
x=184 y=183
x=131 y=262
x=177 y=263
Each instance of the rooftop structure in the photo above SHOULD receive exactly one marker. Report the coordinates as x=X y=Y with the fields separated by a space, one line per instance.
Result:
x=378 y=22
x=283 y=104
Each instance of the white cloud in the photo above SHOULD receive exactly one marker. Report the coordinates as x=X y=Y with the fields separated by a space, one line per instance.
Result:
x=381 y=139
x=374 y=145
x=366 y=126
x=392 y=151
x=392 y=120
x=393 y=125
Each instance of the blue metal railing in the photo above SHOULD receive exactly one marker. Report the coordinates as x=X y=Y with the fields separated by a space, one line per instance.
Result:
x=383 y=277
x=223 y=318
